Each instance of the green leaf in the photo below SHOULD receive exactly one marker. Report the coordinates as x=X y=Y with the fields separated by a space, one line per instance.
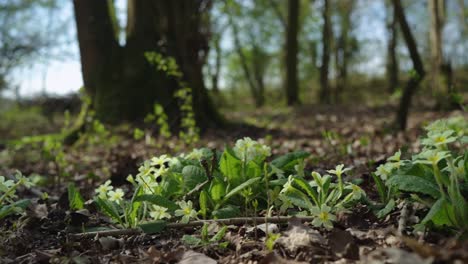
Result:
x=204 y=232
x=193 y=175
x=409 y=183
x=153 y=227
x=203 y=200
x=158 y=200
x=440 y=214
x=13 y=207
x=287 y=161
x=75 y=200
x=226 y=212
x=298 y=198
x=240 y=188
x=217 y=190
x=387 y=209
x=304 y=185
x=231 y=167
x=219 y=235
x=132 y=214
x=109 y=209
x=278 y=182
x=191 y=240
x=381 y=188
x=253 y=170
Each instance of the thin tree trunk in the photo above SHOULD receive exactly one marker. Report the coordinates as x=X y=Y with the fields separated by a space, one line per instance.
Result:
x=392 y=59
x=324 y=95
x=415 y=79
x=292 y=85
x=244 y=63
x=217 y=69
x=436 y=13
x=343 y=52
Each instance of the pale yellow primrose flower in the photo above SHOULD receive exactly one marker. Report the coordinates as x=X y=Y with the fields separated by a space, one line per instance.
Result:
x=432 y=157
x=338 y=171
x=116 y=196
x=288 y=185
x=439 y=138
x=196 y=154
x=248 y=149
x=186 y=211
x=103 y=189
x=159 y=212
x=323 y=216
x=160 y=161
x=384 y=170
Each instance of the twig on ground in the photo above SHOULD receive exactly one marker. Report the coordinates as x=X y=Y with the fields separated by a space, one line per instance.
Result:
x=228 y=221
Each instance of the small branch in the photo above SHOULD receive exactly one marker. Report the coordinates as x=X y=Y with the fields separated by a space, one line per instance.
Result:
x=228 y=221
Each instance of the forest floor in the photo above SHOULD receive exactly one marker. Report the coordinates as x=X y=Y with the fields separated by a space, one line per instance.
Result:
x=358 y=137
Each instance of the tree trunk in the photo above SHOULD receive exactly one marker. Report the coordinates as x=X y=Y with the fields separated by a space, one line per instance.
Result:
x=415 y=78
x=440 y=81
x=342 y=52
x=120 y=81
x=292 y=85
x=324 y=95
x=217 y=69
x=392 y=59
x=258 y=98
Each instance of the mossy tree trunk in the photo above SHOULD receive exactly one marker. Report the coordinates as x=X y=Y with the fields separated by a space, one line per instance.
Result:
x=122 y=84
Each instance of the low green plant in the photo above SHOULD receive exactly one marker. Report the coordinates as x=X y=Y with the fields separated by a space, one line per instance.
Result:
x=207 y=184
x=204 y=239
x=321 y=197
x=9 y=202
x=435 y=177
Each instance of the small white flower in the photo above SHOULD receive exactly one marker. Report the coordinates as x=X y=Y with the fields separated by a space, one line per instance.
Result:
x=116 y=196
x=432 y=157
x=186 y=211
x=159 y=212
x=338 y=171
x=103 y=189
x=247 y=150
x=288 y=185
x=323 y=217
x=146 y=169
x=356 y=191
x=383 y=171
x=161 y=161
x=439 y=138
x=196 y=154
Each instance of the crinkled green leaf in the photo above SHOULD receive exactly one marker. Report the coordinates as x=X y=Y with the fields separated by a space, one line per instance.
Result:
x=387 y=209
x=287 y=161
x=193 y=175
x=305 y=186
x=153 y=227
x=409 y=183
x=228 y=211
x=12 y=208
x=231 y=167
x=158 y=200
x=75 y=200
x=298 y=198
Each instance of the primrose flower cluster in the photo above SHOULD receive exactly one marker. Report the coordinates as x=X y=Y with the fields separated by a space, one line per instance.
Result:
x=248 y=150
x=320 y=197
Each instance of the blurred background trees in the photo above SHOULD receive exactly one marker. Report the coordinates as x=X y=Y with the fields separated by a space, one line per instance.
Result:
x=244 y=53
